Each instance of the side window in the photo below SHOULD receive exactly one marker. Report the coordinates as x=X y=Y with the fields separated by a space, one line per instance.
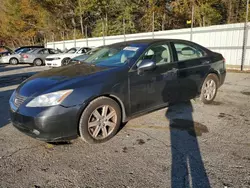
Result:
x=52 y=51
x=44 y=51
x=160 y=54
x=186 y=52
x=41 y=52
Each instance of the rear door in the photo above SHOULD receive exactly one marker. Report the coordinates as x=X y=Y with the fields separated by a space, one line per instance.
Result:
x=193 y=66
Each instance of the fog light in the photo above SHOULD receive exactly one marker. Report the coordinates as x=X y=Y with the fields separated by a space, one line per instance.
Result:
x=36 y=132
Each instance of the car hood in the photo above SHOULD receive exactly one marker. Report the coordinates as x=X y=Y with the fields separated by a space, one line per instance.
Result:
x=56 y=79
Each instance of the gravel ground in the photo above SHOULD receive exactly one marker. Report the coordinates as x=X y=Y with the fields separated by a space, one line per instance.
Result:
x=186 y=145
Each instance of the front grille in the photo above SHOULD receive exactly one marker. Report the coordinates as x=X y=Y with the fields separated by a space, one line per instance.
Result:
x=49 y=59
x=18 y=100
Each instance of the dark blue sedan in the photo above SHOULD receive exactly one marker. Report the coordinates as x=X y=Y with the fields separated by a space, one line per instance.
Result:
x=118 y=82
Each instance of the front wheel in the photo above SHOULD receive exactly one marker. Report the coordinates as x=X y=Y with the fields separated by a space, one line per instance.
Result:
x=65 y=61
x=209 y=89
x=100 y=121
x=13 y=61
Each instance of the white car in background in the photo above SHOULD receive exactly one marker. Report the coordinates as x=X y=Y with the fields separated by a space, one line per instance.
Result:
x=58 y=60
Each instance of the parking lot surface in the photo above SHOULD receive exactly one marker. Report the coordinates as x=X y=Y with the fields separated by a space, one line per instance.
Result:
x=186 y=145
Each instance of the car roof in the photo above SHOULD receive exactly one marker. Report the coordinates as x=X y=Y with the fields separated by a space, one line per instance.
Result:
x=148 y=42
x=39 y=46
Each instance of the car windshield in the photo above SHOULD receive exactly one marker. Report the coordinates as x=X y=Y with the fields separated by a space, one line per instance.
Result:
x=109 y=56
x=92 y=51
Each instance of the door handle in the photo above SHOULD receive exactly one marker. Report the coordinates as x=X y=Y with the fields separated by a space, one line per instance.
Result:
x=205 y=62
x=173 y=70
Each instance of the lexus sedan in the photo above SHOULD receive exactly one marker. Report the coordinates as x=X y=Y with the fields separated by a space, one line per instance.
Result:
x=117 y=83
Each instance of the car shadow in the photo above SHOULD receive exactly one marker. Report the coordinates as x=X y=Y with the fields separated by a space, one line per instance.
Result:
x=7 y=81
x=4 y=110
x=14 y=79
x=7 y=68
x=187 y=165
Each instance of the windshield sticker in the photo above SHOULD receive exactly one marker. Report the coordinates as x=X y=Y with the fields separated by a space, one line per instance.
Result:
x=130 y=48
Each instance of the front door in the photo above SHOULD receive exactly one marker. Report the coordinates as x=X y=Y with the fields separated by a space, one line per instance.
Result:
x=155 y=87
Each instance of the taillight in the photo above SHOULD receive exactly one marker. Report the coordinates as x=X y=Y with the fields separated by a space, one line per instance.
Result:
x=224 y=60
x=25 y=56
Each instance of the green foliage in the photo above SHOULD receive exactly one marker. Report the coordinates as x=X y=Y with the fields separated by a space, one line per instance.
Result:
x=32 y=21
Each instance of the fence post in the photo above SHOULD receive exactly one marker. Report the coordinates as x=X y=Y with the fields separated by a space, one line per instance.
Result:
x=192 y=24
x=103 y=37
x=74 y=37
x=63 y=40
x=86 y=35
x=245 y=38
x=124 y=29
x=53 y=39
x=153 y=25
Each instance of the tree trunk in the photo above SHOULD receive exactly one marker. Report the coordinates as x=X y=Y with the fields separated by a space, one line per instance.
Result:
x=106 y=24
x=204 y=21
x=163 y=22
x=82 y=29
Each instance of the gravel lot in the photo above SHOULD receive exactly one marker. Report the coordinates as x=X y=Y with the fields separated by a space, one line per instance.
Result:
x=210 y=148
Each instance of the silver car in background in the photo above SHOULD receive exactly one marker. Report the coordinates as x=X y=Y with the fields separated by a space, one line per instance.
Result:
x=37 y=56
x=15 y=57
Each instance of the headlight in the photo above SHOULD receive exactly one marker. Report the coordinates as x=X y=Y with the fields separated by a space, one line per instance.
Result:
x=49 y=99
x=13 y=95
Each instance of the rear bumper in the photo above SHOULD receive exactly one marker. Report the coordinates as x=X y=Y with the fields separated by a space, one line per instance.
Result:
x=47 y=124
x=223 y=74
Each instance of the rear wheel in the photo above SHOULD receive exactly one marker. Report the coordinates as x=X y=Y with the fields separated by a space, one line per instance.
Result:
x=100 y=121
x=209 y=89
x=65 y=61
x=38 y=62
x=13 y=61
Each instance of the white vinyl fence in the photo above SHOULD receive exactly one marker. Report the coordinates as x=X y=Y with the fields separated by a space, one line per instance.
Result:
x=225 y=39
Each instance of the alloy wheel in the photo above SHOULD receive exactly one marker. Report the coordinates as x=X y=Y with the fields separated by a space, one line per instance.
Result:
x=210 y=89
x=14 y=61
x=102 y=122
x=38 y=62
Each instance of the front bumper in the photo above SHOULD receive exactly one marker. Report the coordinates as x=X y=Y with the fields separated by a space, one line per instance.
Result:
x=53 y=63
x=49 y=124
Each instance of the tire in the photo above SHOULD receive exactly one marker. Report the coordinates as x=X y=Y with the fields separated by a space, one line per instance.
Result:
x=65 y=61
x=91 y=124
x=13 y=61
x=209 y=89
x=38 y=62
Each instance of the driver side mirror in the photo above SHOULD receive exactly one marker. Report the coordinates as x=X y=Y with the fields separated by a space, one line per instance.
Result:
x=146 y=65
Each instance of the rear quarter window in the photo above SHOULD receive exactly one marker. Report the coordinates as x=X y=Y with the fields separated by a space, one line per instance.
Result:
x=187 y=52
